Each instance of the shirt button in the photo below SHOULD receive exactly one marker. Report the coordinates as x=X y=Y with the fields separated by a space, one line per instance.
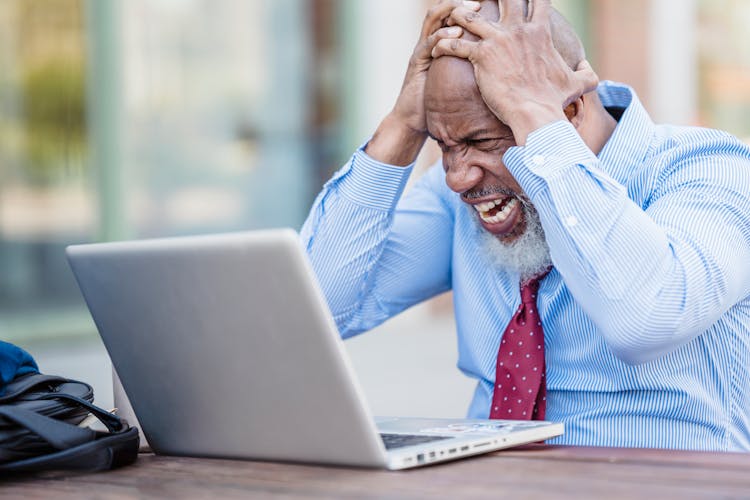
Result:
x=571 y=221
x=538 y=160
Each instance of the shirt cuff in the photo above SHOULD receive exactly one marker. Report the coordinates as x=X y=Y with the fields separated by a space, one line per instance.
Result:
x=373 y=184
x=547 y=153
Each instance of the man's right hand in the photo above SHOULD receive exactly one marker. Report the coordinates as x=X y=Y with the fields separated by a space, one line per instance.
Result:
x=403 y=132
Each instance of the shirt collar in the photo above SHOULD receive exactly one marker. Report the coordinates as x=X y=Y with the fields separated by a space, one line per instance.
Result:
x=630 y=142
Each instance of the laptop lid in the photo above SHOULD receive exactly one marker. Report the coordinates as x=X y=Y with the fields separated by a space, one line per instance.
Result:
x=226 y=348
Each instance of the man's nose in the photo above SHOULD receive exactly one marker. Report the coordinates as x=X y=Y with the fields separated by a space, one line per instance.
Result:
x=462 y=175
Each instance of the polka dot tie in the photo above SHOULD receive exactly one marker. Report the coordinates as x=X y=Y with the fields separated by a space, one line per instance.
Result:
x=520 y=389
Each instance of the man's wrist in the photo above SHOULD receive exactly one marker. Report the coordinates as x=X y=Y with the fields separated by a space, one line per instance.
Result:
x=395 y=143
x=533 y=117
x=548 y=152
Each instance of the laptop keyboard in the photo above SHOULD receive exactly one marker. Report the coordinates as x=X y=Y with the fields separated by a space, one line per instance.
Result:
x=392 y=441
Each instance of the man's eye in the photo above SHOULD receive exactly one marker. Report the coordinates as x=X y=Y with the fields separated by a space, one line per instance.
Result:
x=488 y=144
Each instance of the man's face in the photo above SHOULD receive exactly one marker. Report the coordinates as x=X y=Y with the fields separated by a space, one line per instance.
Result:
x=473 y=142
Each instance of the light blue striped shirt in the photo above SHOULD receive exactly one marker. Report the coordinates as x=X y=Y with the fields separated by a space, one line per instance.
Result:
x=646 y=313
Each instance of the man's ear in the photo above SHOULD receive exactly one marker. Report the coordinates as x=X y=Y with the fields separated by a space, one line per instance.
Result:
x=574 y=112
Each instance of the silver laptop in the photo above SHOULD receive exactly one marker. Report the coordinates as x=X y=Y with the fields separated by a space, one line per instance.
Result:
x=226 y=348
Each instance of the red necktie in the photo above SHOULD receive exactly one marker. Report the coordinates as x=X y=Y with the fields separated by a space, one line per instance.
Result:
x=520 y=389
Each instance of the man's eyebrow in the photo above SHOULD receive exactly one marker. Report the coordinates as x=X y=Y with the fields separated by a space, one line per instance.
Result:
x=488 y=133
x=483 y=132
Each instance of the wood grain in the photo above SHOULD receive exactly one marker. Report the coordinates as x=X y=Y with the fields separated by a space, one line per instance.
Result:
x=531 y=472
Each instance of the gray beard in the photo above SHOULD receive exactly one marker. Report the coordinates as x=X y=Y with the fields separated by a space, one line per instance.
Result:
x=528 y=255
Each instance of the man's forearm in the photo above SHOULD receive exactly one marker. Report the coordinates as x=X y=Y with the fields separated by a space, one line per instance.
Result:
x=345 y=233
x=394 y=143
x=650 y=279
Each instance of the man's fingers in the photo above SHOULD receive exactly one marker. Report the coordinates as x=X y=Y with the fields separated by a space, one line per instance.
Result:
x=441 y=34
x=539 y=11
x=436 y=16
x=586 y=77
x=455 y=47
x=512 y=11
x=472 y=21
x=447 y=32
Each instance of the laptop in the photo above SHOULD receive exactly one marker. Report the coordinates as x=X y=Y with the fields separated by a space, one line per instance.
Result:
x=226 y=348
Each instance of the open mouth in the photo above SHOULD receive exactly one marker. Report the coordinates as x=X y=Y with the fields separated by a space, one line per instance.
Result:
x=496 y=211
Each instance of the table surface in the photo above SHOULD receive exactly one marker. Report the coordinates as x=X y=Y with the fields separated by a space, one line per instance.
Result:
x=530 y=472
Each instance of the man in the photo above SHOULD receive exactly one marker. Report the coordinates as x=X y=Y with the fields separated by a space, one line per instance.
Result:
x=630 y=241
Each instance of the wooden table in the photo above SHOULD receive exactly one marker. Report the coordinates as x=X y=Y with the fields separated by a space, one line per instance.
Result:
x=534 y=472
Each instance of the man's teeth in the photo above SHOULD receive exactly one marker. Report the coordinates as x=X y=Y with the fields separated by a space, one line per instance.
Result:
x=487 y=205
x=484 y=209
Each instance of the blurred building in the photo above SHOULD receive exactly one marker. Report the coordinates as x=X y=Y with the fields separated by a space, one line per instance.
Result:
x=142 y=118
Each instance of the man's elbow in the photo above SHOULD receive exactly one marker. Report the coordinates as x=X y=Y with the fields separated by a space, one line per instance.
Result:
x=632 y=354
x=635 y=344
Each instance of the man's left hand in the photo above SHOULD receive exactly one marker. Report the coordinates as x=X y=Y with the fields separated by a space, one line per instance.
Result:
x=522 y=78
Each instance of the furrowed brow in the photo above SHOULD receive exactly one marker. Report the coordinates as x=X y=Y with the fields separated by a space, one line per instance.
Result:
x=481 y=133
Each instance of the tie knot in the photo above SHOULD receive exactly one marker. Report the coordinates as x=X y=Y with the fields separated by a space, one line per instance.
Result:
x=530 y=287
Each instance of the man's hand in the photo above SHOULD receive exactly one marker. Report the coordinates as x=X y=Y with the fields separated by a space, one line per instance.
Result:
x=401 y=135
x=522 y=78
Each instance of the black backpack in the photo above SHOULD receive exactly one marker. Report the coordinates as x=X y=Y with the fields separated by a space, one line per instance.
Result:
x=39 y=417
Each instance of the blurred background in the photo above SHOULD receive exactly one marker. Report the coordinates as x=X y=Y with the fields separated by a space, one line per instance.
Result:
x=143 y=118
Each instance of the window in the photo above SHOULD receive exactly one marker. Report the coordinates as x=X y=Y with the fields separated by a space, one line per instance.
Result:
x=146 y=118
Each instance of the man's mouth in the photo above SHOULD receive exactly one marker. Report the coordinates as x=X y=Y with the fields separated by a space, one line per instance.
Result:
x=500 y=216
x=496 y=211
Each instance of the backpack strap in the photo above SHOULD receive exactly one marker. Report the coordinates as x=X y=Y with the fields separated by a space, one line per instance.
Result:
x=106 y=452
x=110 y=420
x=26 y=382
x=58 y=434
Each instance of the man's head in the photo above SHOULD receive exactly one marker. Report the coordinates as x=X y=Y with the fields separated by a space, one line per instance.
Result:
x=473 y=142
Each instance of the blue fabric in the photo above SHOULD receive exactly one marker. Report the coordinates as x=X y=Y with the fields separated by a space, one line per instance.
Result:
x=647 y=312
x=14 y=362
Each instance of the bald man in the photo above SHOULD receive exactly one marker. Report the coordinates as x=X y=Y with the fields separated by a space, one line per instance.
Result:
x=600 y=263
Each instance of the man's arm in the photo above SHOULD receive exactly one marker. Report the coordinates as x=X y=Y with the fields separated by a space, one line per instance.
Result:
x=372 y=259
x=651 y=279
